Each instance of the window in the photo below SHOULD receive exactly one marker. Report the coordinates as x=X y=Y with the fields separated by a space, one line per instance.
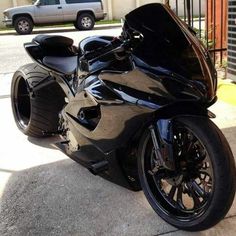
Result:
x=50 y=2
x=81 y=1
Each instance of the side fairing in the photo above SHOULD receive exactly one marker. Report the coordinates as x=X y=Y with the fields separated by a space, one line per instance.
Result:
x=112 y=107
x=116 y=121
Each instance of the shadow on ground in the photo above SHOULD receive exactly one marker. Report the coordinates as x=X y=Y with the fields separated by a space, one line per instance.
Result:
x=45 y=142
x=63 y=198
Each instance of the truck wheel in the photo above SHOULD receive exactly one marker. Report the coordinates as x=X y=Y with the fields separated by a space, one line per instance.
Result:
x=36 y=110
x=23 y=25
x=84 y=21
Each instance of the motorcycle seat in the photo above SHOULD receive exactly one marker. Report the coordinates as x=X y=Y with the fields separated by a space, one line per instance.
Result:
x=53 y=41
x=64 y=65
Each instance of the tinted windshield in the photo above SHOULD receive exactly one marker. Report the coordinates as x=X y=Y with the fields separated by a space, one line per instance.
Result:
x=164 y=44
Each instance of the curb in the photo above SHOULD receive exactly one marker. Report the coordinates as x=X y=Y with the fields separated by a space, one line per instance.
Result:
x=61 y=29
x=226 y=90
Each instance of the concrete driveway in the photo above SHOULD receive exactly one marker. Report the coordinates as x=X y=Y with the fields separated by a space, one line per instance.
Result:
x=43 y=192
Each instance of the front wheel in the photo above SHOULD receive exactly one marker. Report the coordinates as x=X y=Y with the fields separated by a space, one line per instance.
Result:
x=23 y=25
x=199 y=193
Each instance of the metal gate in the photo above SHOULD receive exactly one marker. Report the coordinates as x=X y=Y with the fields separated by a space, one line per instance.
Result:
x=231 y=71
x=209 y=20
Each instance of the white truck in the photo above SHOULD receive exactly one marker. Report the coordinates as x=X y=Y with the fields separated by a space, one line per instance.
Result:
x=82 y=13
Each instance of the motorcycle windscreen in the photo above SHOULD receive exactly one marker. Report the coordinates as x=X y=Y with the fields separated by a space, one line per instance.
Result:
x=169 y=43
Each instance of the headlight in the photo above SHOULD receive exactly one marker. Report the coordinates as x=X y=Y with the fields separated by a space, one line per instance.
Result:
x=6 y=14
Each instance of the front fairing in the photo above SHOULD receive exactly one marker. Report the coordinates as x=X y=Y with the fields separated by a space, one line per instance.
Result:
x=169 y=44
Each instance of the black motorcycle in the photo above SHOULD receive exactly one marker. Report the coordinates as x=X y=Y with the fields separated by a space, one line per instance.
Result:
x=134 y=107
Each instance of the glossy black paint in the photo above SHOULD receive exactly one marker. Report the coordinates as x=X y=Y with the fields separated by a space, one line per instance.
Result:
x=96 y=53
x=126 y=84
x=170 y=44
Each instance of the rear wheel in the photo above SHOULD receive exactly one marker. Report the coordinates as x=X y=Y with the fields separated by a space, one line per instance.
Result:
x=35 y=111
x=199 y=193
x=23 y=25
x=85 y=21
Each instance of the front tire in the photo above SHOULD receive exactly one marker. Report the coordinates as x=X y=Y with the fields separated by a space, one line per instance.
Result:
x=85 y=21
x=35 y=111
x=23 y=25
x=201 y=191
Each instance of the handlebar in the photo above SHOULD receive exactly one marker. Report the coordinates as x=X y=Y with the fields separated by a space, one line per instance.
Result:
x=120 y=47
x=116 y=46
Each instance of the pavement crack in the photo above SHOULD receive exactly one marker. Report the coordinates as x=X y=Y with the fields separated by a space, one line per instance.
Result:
x=4 y=96
x=168 y=232
x=176 y=230
x=228 y=217
x=6 y=73
x=6 y=170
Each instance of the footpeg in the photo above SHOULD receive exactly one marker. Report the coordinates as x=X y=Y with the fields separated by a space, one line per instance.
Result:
x=99 y=167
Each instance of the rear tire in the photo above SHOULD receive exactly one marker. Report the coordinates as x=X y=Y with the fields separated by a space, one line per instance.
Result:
x=85 y=21
x=23 y=25
x=210 y=154
x=35 y=111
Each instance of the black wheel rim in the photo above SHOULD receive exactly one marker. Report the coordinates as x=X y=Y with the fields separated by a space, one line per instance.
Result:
x=21 y=102
x=186 y=193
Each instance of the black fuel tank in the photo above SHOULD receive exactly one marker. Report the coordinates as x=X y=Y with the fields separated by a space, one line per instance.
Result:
x=94 y=43
x=91 y=50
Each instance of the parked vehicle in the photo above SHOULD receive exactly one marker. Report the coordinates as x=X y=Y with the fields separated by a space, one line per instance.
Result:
x=82 y=13
x=136 y=107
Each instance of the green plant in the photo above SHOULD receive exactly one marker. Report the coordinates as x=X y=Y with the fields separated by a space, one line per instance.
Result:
x=224 y=63
x=202 y=35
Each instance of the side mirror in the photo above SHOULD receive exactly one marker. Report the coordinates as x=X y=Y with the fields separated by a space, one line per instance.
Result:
x=38 y=3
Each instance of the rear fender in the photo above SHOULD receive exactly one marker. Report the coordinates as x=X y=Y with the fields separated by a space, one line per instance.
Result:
x=35 y=51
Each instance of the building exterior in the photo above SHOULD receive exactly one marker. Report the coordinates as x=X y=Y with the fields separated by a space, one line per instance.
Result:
x=11 y=3
x=216 y=19
x=231 y=68
x=116 y=9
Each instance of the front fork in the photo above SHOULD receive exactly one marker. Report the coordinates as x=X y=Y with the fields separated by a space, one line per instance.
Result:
x=162 y=138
